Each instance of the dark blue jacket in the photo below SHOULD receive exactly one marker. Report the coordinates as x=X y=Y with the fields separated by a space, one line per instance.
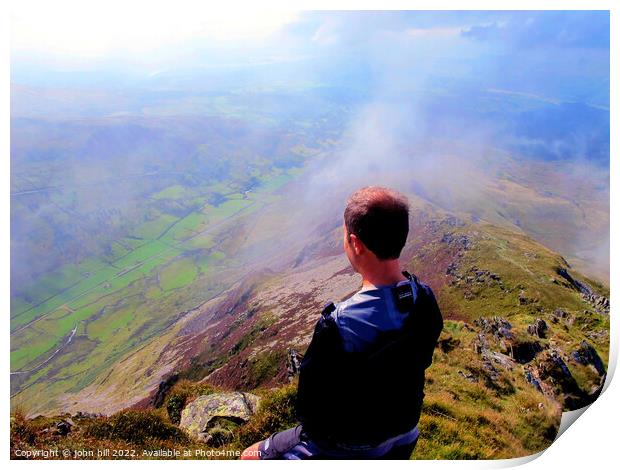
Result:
x=362 y=378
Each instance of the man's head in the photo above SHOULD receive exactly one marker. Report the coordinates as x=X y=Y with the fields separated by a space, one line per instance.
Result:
x=376 y=224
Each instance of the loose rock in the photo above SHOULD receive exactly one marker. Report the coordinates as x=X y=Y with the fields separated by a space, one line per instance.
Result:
x=208 y=416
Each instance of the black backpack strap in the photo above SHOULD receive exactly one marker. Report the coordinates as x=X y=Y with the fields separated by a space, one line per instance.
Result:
x=411 y=277
x=403 y=298
x=403 y=294
x=328 y=309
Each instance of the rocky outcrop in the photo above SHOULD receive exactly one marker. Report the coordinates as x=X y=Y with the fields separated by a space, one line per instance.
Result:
x=60 y=428
x=162 y=390
x=524 y=351
x=496 y=333
x=474 y=276
x=501 y=359
x=211 y=418
x=551 y=376
x=494 y=330
x=538 y=328
x=447 y=343
x=489 y=371
x=293 y=363
x=560 y=316
x=524 y=299
x=498 y=327
x=457 y=240
x=587 y=356
x=599 y=302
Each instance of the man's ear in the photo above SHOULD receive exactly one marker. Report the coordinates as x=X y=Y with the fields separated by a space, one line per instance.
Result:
x=358 y=245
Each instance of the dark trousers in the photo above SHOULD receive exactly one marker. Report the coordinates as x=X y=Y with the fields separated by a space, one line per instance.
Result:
x=293 y=444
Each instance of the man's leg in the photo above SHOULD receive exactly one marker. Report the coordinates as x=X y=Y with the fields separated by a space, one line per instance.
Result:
x=281 y=445
x=402 y=452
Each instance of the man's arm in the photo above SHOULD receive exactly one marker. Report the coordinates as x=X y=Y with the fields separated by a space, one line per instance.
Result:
x=316 y=380
x=433 y=323
x=318 y=373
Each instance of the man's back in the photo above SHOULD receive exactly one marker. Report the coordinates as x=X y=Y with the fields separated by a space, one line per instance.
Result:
x=362 y=378
x=368 y=314
x=361 y=382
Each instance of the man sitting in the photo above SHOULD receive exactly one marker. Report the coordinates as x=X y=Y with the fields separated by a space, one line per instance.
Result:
x=361 y=380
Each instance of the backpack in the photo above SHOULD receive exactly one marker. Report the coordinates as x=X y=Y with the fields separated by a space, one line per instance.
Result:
x=361 y=399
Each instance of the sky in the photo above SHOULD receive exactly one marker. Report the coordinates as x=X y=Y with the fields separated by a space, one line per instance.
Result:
x=558 y=54
x=68 y=28
x=73 y=28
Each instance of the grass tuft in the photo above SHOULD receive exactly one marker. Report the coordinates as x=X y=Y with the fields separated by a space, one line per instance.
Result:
x=135 y=426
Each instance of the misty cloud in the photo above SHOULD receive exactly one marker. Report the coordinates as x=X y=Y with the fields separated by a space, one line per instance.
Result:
x=587 y=29
x=431 y=102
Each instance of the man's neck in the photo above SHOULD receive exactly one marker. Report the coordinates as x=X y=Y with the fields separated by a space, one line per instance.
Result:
x=383 y=273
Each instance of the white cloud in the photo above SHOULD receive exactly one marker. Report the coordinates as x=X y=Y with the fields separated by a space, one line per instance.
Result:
x=434 y=32
x=325 y=35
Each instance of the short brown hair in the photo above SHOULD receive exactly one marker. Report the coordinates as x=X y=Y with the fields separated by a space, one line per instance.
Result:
x=379 y=217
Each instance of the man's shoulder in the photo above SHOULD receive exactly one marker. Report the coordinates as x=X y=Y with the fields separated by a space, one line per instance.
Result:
x=423 y=290
x=379 y=308
x=359 y=303
x=362 y=300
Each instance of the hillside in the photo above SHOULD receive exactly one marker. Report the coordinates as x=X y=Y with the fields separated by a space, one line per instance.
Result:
x=526 y=336
x=125 y=228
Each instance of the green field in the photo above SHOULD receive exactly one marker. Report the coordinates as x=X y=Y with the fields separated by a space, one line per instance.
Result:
x=119 y=301
x=178 y=274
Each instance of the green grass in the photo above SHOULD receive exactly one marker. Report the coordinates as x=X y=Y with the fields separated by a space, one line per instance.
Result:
x=52 y=283
x=32 y=347
x=266 y=365
x=202 y=242
x=110 y=322
x=151 y=229
x=505 y=253
x=218 y=187
x=141 y=254
x=171 y=192
x=117 y=250
x=178 y=274
x=53 y=303
x=274 y=182
x=208 y=262
x=28 y=345
x=148 y=256
x=18 y=305
x=465 y=420
x=186 y=227
x=226 y=209
x=136 y=427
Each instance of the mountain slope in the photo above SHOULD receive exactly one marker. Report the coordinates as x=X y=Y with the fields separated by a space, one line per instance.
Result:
x=525 y=336
x=239 y=339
